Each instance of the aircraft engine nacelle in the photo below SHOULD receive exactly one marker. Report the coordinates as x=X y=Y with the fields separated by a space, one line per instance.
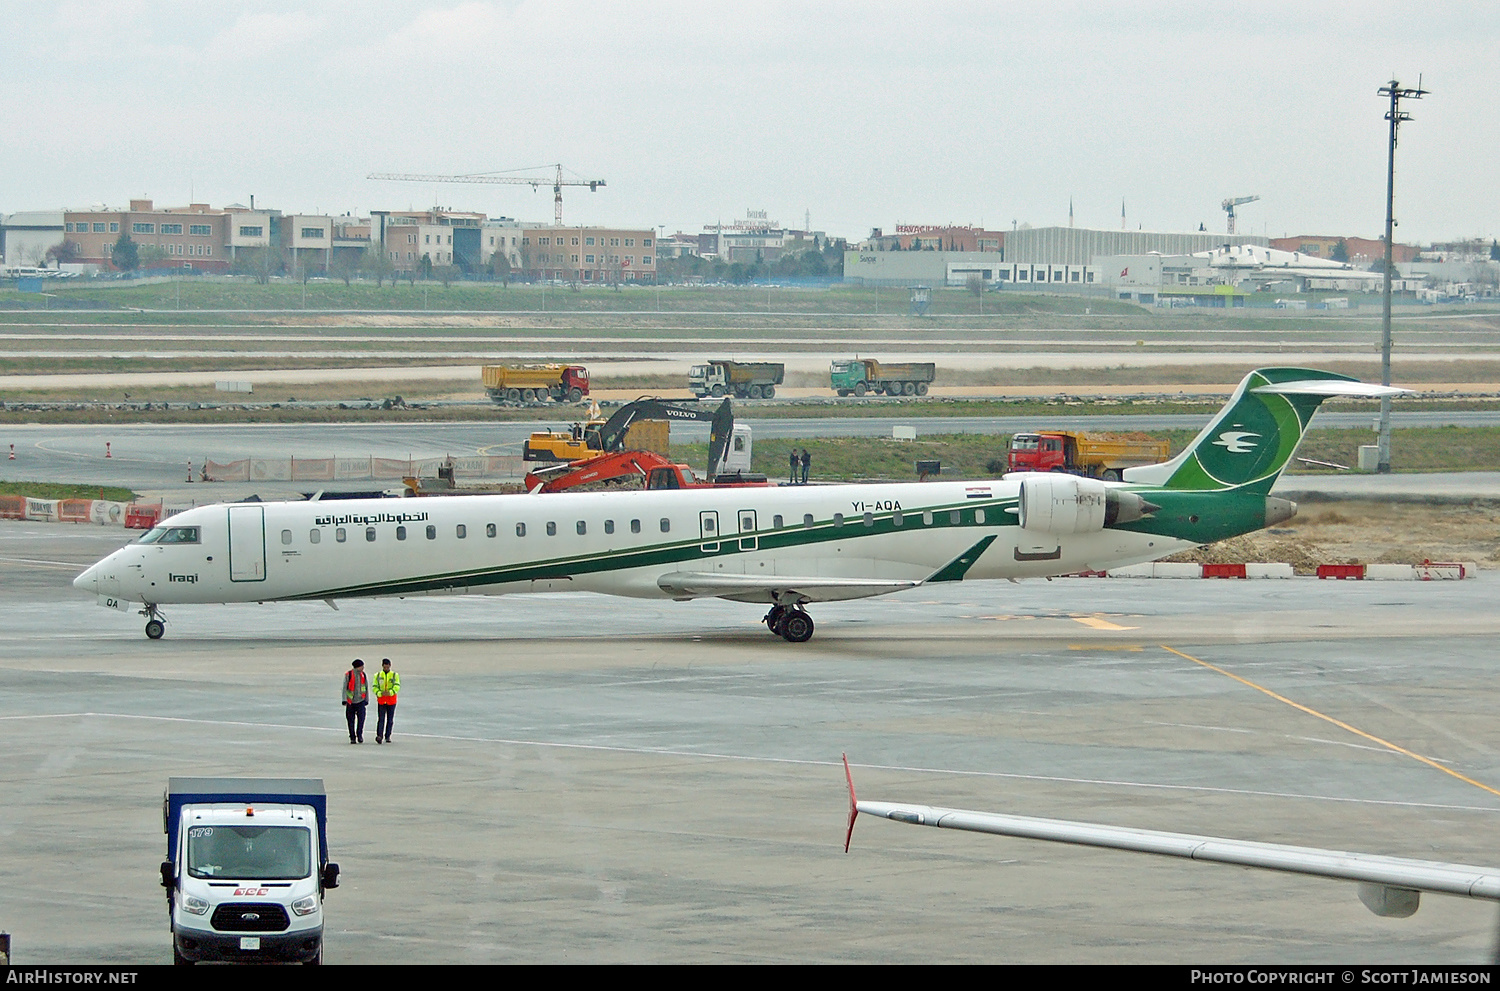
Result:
x=1063 y=504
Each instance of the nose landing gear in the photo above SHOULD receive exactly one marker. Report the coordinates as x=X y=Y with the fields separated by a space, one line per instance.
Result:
x=791 y=623
x=156 y=626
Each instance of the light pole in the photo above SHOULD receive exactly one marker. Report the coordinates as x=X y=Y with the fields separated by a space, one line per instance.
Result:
x=1396 y=92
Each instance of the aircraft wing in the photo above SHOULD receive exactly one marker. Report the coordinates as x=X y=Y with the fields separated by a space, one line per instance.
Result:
x=790 y=589
x=1388 y=886
x=783 y=590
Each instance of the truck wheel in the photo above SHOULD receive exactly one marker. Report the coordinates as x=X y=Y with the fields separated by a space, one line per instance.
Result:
x=316 y=960
x=768 y=392
x=513 y=395
x=177 y=958
x=860 y=389
x=843 y=392
x=575 y=395
x=755 y=392
x=908 y=388
x=528 y=395
x=1111 y=475
x=717 y=392
x=921 y=388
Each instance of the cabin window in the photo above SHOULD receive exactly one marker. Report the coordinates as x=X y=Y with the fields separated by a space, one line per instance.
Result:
x=369 y=534
x=520 y=529
x=340 y=535
x=666 y=525
x=897 y=518
x=635 y=526
x=927 y=517
x=461 y=531
x=777 y=522
x=551 y=529
x=286 y=537
x=489 y=529
x=955 y=517
x=709 y=524
x=431 y=532
x=869 y=519
x=609 y=526
x=978 y=516
x=314 y=536
x=400 y=533
x=581 y=527
x=807 y=519
x=838 y=519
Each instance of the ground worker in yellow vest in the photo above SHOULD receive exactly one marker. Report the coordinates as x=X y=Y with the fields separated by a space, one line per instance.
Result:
x=387 y=687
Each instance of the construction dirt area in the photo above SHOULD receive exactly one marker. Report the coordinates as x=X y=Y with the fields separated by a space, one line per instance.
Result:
x=1368 y=532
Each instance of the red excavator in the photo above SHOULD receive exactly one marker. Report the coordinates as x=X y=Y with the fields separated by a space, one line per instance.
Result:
x=728 y=455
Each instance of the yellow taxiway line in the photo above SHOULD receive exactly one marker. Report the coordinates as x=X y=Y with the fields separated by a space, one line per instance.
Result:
x=1337 y=722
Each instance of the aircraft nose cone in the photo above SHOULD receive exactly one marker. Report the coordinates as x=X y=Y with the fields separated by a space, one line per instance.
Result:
x=88 y=581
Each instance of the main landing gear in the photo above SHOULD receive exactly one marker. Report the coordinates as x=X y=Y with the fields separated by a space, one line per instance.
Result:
x=791 y=623
x=155 y=625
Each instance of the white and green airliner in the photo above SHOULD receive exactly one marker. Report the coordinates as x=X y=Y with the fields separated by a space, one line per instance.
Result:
x=781 y=546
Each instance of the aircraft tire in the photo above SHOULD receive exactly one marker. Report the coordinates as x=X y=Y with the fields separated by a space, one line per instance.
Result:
x=155 y=629
x=797 y=627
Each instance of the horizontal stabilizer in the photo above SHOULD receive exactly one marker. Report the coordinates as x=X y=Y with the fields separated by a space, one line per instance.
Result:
x=1332 y=388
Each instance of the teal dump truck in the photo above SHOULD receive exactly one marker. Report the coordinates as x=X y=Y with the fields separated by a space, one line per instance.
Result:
x=862 y=376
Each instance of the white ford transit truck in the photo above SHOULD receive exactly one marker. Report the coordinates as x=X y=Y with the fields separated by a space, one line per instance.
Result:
x=246 y=868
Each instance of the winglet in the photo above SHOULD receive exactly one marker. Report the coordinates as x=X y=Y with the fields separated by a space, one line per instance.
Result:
x=853 y=803
x=955 y=569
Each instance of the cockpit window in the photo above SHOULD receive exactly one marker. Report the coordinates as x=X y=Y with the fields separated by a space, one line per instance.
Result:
x=171 y=535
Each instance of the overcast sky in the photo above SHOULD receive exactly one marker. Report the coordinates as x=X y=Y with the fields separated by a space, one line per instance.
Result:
x=860 y=115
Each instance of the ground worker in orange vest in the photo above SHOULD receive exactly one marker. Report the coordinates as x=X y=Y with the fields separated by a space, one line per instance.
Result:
x=356 y=697
x=387 y=687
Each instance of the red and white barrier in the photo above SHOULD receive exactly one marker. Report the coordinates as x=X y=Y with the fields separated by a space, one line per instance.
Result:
x=1426 y=571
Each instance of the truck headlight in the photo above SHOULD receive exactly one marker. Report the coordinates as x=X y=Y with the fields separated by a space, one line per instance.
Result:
x=194 y=904
x=305 y=906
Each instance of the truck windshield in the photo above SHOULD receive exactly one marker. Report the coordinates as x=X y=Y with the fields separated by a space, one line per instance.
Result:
x=262 y=853
x=1024 y=442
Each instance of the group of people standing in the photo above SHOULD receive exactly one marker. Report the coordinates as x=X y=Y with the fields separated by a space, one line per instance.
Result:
x=798 y=467
x=357 y=697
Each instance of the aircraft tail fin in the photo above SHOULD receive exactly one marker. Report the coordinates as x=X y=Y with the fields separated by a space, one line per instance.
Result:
x=1253 y=437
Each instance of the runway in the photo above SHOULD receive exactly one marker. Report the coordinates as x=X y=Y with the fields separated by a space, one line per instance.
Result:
x=577 y=778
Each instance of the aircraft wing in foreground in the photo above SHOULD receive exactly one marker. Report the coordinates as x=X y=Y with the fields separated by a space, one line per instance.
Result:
x=1388 y=886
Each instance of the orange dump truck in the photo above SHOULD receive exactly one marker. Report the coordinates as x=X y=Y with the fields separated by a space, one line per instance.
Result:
x=1095 y=455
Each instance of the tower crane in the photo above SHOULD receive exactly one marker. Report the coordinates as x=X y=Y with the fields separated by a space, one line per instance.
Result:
x=502 y=178
x=1228 y=207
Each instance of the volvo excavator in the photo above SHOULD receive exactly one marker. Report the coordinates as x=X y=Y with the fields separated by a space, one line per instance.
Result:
x=728 y=453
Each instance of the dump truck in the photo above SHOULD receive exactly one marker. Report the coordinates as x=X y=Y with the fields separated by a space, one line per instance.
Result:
x=741 y=379
x=1103 y=456
x=536 y=383
x=246 y=868
x=861 y=376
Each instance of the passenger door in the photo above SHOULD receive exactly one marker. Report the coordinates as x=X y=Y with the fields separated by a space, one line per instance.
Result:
x=247 y=543
x=708 y=531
